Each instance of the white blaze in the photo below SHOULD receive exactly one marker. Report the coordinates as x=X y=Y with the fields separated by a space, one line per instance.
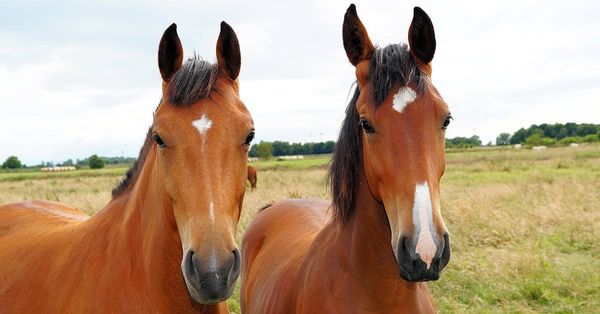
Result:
x=405 y=96
x=423 y=221
x=212 y=213
x=203 y=124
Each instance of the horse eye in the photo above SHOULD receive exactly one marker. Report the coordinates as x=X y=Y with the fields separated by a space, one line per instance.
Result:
x=158 y=140
x=365 y=125
x=249 y=138
x=447 y=122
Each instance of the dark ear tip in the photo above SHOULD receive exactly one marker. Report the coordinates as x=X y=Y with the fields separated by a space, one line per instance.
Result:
x=225 y=26
x=418 y=12
x=351 y=9
x=172 y=28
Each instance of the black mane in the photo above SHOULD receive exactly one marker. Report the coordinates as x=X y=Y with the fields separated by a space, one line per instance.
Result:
x=133 y=172
x=389 y=67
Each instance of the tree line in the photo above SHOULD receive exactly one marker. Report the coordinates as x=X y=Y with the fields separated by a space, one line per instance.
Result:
x=94 y=162
x=463 y=142
x=552 y=134
x=266 y=149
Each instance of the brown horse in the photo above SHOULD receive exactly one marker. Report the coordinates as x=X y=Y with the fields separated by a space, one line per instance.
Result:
x=165 y=242
x=370 y=250
x=252 y=177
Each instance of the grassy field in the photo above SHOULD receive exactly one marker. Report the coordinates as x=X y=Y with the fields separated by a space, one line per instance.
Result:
x=525 y=225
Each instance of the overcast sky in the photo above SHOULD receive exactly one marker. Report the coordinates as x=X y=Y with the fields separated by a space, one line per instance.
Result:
x=81 y=77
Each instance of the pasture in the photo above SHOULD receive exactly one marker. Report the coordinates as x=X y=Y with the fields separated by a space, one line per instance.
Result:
x=525 y=224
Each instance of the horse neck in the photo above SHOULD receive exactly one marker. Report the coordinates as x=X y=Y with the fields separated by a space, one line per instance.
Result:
x=365 y=241
x=137 y=234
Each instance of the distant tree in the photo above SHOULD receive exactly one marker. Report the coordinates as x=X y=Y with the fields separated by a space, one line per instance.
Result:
x=571 y=128
x=67 y=163
x=96 y=162
x=475 y=140
x=503 y=139
x=264 y=150
x=328 y=147
x=519 y=136
x=284 y=148
x=281 y=148
x=12 y=162
x=586 y=129
x=463 y=142
x=296 y=149
x=562 y=133
x=556 y=133
x=253 y=152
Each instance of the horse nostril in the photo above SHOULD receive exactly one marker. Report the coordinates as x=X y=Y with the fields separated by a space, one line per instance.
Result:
x=236 y=255
x=403 y=254
x=445 y=258
x=189 y=263
x=234 y=272
x=236 y=258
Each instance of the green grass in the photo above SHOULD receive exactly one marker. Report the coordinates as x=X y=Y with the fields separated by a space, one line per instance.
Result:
x=306 y=163
x=524 y=225
x=525 y=231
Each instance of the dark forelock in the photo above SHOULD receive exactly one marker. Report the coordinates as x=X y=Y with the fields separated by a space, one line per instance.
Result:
x=391 y=66
x=192 y=82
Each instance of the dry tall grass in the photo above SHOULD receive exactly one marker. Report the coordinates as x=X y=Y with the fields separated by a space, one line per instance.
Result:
x=525 y=226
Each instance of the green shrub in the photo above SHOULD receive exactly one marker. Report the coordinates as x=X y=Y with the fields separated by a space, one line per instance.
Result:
x=590 y=138
x=96 y=162
x=546 y=141
x=537 y=139
x=571 y=139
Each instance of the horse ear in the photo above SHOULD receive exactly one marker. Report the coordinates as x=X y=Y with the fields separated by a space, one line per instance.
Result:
x=228 y=51
x=421 y=36
x=170 y=53
x=357 y=44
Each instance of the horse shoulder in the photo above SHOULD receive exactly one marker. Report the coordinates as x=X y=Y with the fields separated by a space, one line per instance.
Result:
x=274 y=248
x=41 y=210
x=35 y=221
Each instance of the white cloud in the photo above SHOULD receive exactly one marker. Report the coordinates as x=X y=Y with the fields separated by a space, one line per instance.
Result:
x=75 y=82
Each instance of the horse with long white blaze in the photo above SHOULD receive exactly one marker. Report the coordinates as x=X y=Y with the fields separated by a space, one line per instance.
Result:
x=165 y=242
x=383 y=235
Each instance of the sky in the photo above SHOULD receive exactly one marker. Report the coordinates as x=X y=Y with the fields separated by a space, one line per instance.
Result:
x=81 y=77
